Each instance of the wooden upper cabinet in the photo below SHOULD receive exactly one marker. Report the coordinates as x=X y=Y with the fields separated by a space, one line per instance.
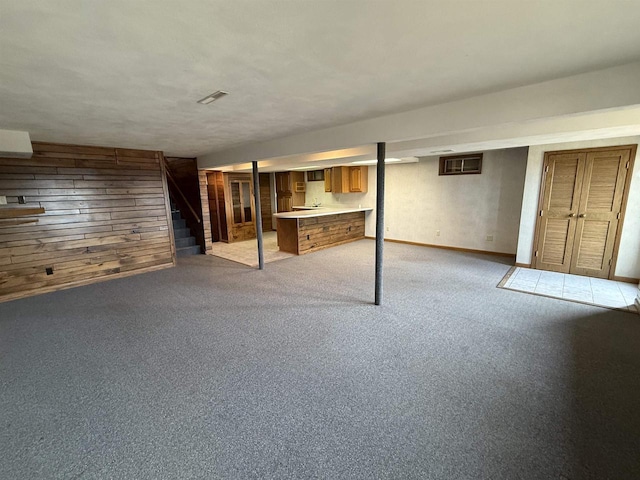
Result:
x=358 y=179
x=349 y=179
x=297 y=182
x=340 y=179
x=283 y=183
x=327 y=179
x=290 y=190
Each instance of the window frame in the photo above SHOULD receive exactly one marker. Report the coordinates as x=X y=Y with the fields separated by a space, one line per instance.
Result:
x=469 y=156
x=243 y=186
x=315 y=175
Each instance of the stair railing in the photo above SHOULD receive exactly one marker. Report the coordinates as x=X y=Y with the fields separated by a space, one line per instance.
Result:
x=193 y=219
x=173 y=182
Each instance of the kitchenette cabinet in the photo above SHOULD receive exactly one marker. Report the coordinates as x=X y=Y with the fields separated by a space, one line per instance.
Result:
x=327 y=179
x=290 y=190
x=351 y=179
x=310 y=230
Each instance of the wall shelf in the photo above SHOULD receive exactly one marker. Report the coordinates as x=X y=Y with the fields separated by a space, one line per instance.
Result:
x=17 y=212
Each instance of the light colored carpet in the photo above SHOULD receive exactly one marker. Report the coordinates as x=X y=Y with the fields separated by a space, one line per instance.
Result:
x=217 y=370
x=246 y=252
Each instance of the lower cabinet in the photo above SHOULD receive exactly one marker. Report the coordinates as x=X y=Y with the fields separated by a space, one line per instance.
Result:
x=304 y=235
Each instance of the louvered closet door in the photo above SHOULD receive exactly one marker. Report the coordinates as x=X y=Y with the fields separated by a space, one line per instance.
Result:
x=600 y=205
x=561 y=197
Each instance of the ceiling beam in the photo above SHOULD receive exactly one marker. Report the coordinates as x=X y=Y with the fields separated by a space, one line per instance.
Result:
x=611 y=88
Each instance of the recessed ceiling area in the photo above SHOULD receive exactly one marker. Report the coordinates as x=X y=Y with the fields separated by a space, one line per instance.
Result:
x=130 y=73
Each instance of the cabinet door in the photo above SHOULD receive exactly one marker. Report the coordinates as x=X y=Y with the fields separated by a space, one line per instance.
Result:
x=284 y=192
x=327 y=179
x=340 y=180
x=285 y=203
x=283 y=182
x=358 y=179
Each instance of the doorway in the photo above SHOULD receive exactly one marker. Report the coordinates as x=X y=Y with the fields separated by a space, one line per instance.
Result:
x=231 y=206
x=581 y=210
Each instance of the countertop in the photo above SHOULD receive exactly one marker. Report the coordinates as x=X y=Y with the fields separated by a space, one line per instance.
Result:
x=308 y=207
x=321 y=211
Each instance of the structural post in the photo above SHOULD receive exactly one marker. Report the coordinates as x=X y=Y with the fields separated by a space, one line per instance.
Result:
x=379 y=220
x=256 y=196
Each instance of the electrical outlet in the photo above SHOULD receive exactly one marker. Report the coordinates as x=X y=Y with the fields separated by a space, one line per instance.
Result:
x=3 y=200
x=387 y=229
x=489 y=238
x=437 y=233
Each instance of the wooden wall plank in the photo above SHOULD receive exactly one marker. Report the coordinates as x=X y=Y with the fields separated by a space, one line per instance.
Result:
x=206 y=215
x=105 y=215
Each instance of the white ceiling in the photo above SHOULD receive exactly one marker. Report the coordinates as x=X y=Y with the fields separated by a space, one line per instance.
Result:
x=129 y=73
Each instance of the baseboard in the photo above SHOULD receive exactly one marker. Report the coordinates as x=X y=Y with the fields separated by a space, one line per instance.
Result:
x=523 y=265
x=626 y=279
x=445 y=247
x=81 y=283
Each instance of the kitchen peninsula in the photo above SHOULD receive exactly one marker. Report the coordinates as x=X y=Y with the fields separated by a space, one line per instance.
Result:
x=305 y=231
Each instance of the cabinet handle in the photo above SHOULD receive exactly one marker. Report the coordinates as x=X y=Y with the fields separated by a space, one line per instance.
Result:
x=583 y=215
x=572 y=215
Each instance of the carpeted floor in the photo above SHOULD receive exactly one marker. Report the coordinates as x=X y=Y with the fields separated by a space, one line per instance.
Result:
x=217 y=370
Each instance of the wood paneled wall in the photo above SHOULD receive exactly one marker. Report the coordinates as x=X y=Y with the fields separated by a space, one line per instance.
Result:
x=266 y=209
x=206 y=213
x=106 y=216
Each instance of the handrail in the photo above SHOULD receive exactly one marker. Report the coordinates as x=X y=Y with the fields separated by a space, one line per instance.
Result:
x=184 y=199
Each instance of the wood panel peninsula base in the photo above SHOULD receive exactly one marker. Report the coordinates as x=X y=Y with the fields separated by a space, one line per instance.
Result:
x=310 y=230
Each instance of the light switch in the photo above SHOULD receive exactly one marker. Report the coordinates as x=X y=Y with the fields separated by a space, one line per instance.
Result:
x=3 y=200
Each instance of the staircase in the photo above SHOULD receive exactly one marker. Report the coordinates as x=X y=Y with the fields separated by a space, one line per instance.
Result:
x=185 y=242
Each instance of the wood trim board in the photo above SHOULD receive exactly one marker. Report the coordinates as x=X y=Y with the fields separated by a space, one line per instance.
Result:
x=446 y=247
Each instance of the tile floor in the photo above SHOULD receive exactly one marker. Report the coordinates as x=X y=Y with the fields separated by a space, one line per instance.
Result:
x=247 y=252
x=594 y=291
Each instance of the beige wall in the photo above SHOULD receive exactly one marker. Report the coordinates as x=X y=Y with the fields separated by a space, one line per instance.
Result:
x=315 y=190
x=465 y=208
x=629 y=254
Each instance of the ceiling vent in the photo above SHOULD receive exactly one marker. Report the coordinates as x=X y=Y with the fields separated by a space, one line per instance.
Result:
x=442 y=151
x=213 y=97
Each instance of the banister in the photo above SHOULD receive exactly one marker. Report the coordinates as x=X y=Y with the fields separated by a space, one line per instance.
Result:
x=183 y=198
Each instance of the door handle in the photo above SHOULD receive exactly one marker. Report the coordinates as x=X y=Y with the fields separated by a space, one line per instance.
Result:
x=572 y=215
x=583 y=215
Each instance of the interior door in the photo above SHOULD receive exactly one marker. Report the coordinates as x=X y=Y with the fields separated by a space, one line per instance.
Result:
x=599 y=211
x=580 y=210
x=561 y=198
